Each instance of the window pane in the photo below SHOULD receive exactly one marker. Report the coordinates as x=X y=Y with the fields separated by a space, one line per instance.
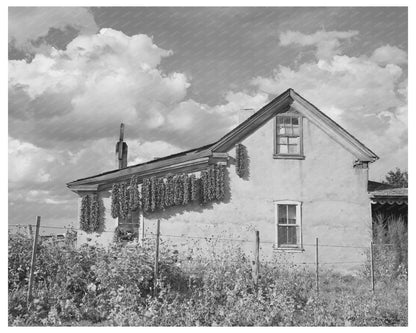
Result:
x=287 y=235
x=293 y=149
x=283 y=140
x=294 y=141
x=283 y=149
x=296 y=130
x=295 y=121
x=279 y=120
x=281 y=130
x=291 y=236
x=281 y=236
x=282 y=213
x=291 y=214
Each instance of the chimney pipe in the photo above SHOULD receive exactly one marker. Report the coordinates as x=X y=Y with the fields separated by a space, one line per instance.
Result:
x=121 y=150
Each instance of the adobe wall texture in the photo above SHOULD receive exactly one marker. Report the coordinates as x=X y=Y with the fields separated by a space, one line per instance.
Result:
x=335 y=203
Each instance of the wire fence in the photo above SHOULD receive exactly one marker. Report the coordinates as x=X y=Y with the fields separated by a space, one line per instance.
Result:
x=153 y=236
x=70 y=231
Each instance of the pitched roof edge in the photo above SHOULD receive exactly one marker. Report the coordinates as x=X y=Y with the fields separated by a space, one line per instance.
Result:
x=159 y=163
x=261 y=116
x=353 y=141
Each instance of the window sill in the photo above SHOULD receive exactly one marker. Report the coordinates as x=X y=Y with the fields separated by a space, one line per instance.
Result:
x=288 y=157
x=288 y=249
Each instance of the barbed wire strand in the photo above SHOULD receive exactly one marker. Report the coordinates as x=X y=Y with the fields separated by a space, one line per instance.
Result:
x=205 y=237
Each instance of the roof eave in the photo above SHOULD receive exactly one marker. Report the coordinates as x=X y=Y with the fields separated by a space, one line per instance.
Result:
x=362 y=152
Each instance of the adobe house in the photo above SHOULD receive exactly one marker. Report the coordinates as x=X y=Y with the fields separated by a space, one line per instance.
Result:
x=288 y=171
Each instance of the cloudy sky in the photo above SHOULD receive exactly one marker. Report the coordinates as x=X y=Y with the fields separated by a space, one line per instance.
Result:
x=177 y=77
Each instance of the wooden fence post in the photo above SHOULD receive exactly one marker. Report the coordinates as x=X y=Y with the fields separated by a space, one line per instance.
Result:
x=156 y=270
x=372 y=265
x=30 y=231
x=33 y=261
x=317 y=265
x=257 y=258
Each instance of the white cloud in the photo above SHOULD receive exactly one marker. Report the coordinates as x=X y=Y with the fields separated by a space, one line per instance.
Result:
x=96 y=83
x=147 y=151
x=27 y=24
x=366 y=95
x=327 y=43
x=69 y=97
x=389 y=55
x=27 y=162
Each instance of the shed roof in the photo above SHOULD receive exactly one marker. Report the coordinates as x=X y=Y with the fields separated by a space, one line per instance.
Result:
x=390 y=196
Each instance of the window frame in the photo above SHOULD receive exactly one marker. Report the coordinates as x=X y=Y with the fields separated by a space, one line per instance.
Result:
x=296 y=156
x=291 y=248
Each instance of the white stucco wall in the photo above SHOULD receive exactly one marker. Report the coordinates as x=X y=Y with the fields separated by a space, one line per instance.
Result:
x=335 y=204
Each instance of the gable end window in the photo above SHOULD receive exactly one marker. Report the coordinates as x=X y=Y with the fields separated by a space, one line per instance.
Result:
x=288 y=225
x=288 y=136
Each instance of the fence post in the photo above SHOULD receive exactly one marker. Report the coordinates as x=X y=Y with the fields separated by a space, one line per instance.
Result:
x=30 y=231
x=156 y=270
x=372 y=265
x=317 y=265
x=257 y=258
x=33 y=261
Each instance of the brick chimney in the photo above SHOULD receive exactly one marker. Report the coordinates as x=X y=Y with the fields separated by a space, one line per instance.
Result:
x=121 y=150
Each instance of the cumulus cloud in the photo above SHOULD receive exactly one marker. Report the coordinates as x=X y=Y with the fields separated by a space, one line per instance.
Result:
x=65 y=107
x=366 y=95
x=389 y=55
x=68 y=97
x=29 y=24
x=327 y=43
x=27 y=162
x=96 y=83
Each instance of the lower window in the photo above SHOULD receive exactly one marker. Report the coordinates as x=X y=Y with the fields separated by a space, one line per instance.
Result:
x=288 y=225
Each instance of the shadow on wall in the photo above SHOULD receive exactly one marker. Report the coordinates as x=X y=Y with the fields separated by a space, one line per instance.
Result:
x=195 y=206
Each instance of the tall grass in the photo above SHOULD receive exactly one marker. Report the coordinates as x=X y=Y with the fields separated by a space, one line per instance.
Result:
x=390 y=237
x=95 y=286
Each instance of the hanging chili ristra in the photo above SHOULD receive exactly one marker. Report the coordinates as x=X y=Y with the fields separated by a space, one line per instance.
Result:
x=178 y=190
x=134 y=194
x=204 y=186
x=194 y=188
x=160 y=194
x=124 y=201
x=85 y=213
x=169 y=193
x=221 y=180
x=186 y=192
x=241 y=159
x=94 y=213
x=115 y=205
x=152 y=193
x=146 y=195
x=212 y=185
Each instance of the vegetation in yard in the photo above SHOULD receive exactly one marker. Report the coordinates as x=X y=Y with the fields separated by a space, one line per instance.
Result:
x=397 y=178
x=96 y=286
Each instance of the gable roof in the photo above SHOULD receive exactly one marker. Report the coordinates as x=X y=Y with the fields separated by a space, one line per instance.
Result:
x=200 y=156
